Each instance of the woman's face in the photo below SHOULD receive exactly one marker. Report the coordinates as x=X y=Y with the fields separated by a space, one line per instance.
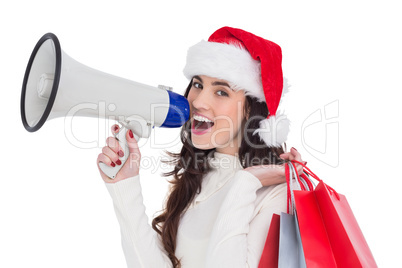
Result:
x=217 y=114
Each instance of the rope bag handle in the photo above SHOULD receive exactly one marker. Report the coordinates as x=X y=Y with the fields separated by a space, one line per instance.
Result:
x=304 y=180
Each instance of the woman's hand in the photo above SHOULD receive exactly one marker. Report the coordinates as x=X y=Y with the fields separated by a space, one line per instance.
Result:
x=111 y=153
x=275 y=174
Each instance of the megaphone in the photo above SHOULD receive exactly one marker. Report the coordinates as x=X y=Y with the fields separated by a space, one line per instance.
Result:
x=55 y=83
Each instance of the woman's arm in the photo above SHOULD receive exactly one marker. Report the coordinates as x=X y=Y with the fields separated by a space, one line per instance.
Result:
x=140 y=242
x=275 y=174
x=238 y=236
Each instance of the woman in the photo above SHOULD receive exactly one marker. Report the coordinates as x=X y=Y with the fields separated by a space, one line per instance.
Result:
x=228 y=179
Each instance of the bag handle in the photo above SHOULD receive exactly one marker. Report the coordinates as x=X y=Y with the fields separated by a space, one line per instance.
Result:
x=309 y=172
x=304 y=181
x=291 y=173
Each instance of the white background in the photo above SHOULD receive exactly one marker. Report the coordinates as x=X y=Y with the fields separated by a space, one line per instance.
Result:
x=343 y=61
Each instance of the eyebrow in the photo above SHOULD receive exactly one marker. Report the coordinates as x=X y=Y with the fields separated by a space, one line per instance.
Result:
x=219 y=83
x=215 y=83
x=197 y=77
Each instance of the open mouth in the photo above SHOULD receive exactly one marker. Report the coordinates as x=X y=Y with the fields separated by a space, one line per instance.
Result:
x=201 y=124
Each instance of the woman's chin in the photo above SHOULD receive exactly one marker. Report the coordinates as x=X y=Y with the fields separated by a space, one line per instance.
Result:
x=202 y=143
x=202 y=146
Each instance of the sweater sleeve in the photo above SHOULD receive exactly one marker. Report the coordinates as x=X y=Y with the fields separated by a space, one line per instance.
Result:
x=141 y=244
x=238 y=236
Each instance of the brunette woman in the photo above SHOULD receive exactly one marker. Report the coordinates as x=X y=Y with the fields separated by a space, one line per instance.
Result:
x=228 y=178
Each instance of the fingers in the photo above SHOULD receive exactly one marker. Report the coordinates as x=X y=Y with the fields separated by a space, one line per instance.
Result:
x=132 y=142
x=113 y=156
x=299 y=169
x=297 y=157
x=113 y=151
x=114 y=145
x=294 y=155
x=102 y=158
x=132 y=164
x=115 y=128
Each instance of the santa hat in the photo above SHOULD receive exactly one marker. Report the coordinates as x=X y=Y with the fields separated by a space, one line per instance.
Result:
x=249 y=63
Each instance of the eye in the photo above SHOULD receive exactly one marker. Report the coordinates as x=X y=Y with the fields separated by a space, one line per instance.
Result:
x=222 y=93
x=197 y=85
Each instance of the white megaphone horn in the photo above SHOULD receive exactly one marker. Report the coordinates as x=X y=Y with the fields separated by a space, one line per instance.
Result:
x=55 y=83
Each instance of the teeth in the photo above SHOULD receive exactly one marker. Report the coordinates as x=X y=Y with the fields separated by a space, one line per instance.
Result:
x=201 y=118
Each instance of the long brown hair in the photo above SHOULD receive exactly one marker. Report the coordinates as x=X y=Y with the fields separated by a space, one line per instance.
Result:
x=191 y=164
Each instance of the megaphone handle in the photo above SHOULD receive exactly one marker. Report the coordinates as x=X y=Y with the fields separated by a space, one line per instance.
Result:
x=111 y=172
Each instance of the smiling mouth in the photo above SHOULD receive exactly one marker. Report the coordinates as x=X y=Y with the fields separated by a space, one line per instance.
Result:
x=201 y=126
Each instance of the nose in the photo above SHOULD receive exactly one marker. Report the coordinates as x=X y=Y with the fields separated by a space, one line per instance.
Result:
x=201 y=100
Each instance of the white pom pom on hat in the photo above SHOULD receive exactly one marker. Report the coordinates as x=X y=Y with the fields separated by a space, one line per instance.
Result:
x=248 y=62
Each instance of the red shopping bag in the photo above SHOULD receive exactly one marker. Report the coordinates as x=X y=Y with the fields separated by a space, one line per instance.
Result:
x=330 y=234
x=269 y=257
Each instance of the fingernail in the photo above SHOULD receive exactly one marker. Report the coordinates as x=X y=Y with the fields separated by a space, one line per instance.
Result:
x=116 y=128
x=305 y=163
x=130 y=133
x=294 y=148
x=113 y=164
x=118 y=162
x=120 y=153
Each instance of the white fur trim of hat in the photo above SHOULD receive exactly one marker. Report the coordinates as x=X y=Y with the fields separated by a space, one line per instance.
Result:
x=234 y=62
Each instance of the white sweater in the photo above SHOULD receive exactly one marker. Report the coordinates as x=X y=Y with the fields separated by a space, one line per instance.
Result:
x=225 y=226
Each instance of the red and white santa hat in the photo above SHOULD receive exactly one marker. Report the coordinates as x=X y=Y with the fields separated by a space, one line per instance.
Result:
x=249 y=63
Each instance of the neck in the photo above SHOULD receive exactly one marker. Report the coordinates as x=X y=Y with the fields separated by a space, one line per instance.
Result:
x=230 y=151
x=232 y=148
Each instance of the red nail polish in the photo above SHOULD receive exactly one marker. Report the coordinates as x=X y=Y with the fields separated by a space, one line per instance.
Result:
x=120 y=153
x=116 y=128
x=130 y=133
x=113 y=164
x=118 y=162
x=294 y=149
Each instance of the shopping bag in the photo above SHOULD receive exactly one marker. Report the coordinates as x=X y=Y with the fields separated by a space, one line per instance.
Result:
x=283 y=247
x=290 y=245
x=269 y=257
x=330 y=234
x=316 y=244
